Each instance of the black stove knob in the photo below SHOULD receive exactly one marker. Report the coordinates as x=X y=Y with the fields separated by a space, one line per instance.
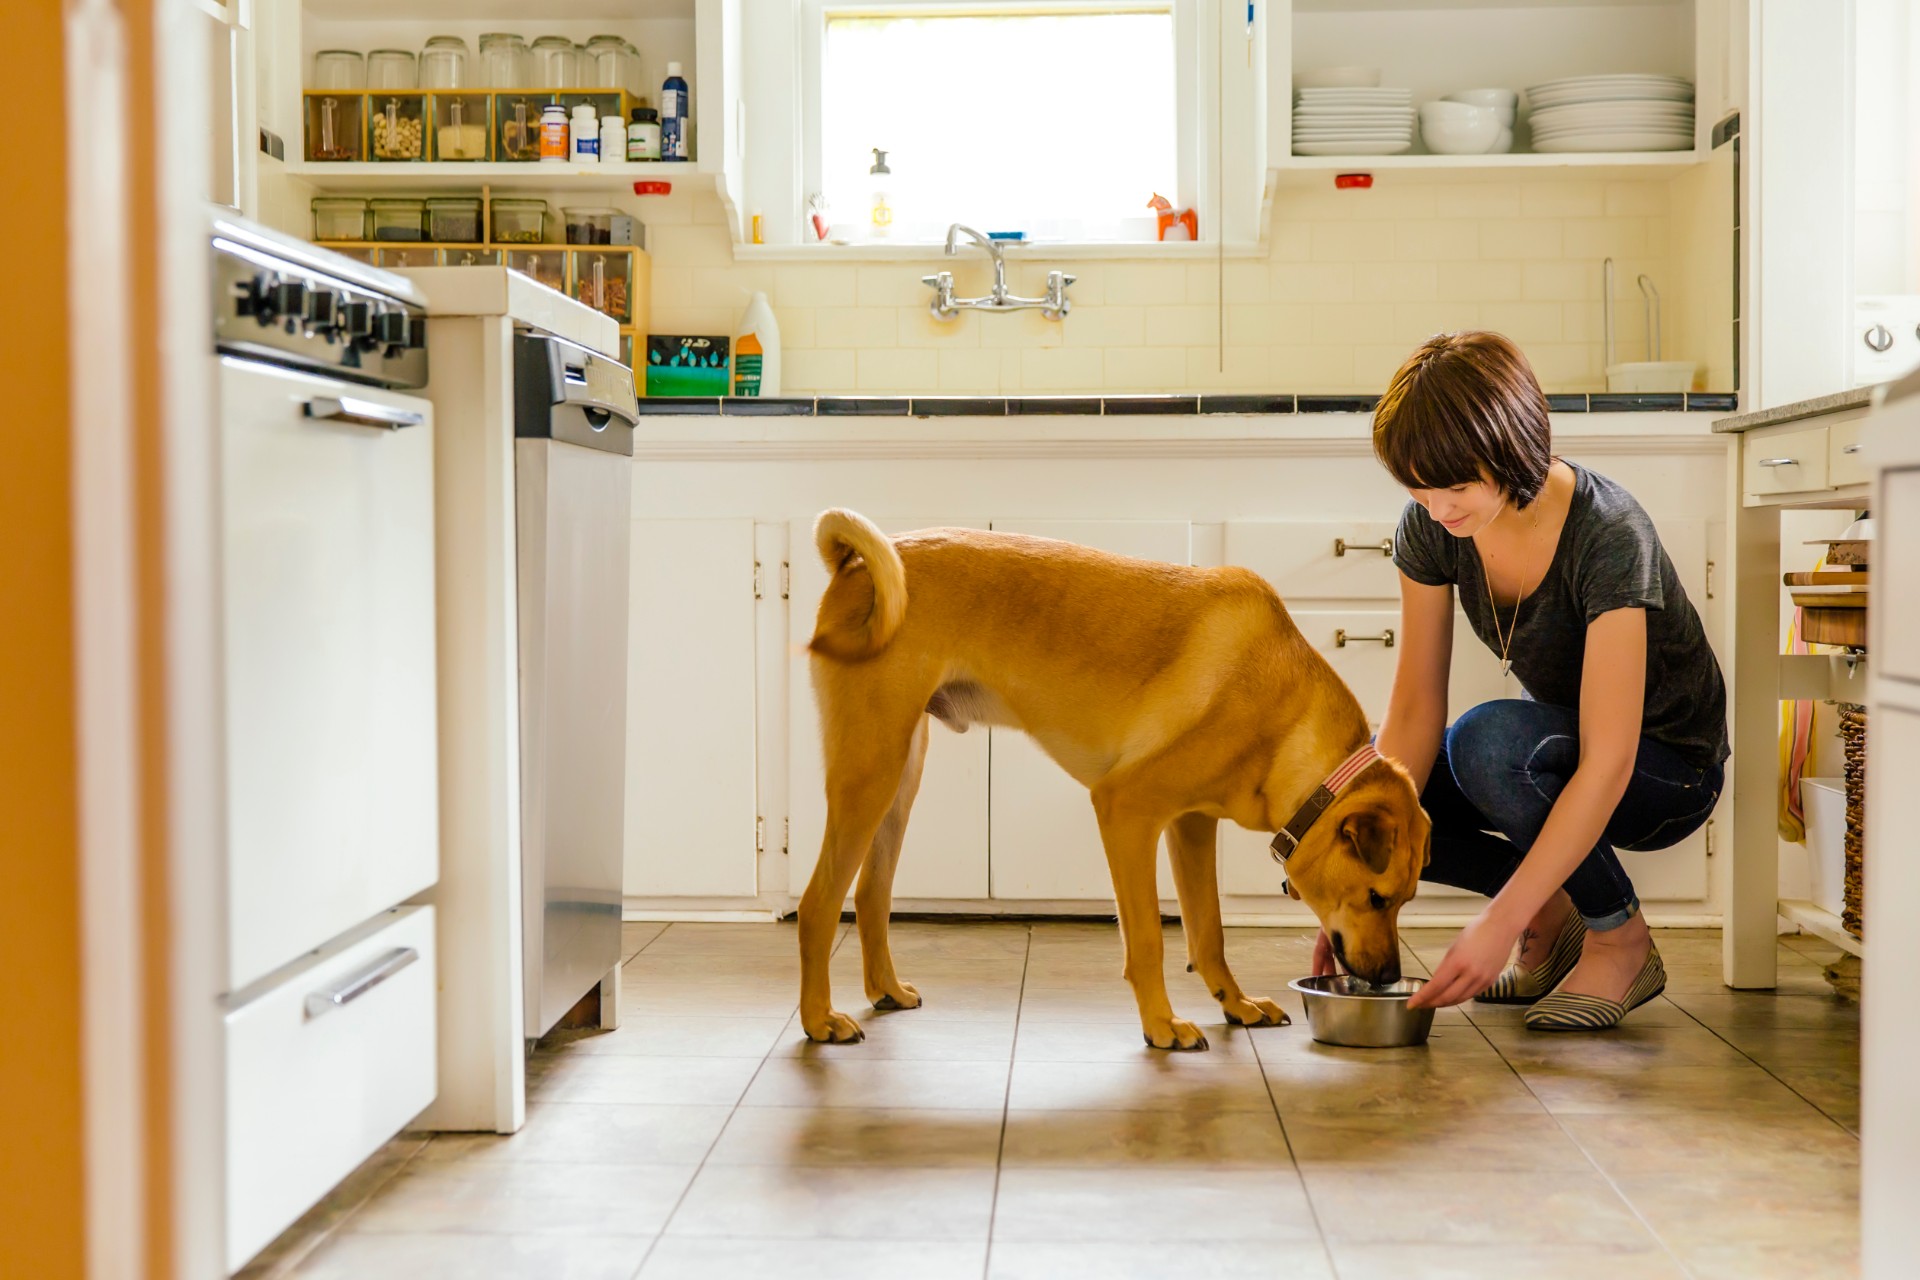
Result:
x=356 y=319
x=256 y=298
x=391 y=327
x=323 y=309
x=290 y=299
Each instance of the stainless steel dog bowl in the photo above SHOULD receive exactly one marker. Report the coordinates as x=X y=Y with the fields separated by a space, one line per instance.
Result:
x=1346 y=1010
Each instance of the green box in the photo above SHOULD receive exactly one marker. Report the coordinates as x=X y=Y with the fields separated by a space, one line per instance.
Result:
x=690 y=365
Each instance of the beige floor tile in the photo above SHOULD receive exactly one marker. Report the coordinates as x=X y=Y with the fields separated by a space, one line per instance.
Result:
x=941 y=1000
x=1432 y=1084
x=1728 y=1008
x=1627 y=1047
x=1534 y=1207
x=1834 y=1259
x=367 y=1256
x=1785 y=1140
x=649 y=970
x=677 y=1038
x=660 y=1009
x=299 y=1240
x=1835 y=1090
x=1200 y=1259
x=636 y=934
x=1186 y=1082
x=1813 y=1207
x=660 y=1081
x=526 y=1198
x=730 y=939
x=1659 y=1012
x=1796 y=1046
x=904 y=1034
x=1504 y=1261
x=848 y=1080
x=1084 y=1139
x=800 y=1136
x=1151 y=1203
x=857 y=1203
x=1453 y=1040
x=1433 y=1140
x=1104 y=1002
x=1119 y=1040
x=1572 y=1088
x=690 y=1258
x=597 y=1133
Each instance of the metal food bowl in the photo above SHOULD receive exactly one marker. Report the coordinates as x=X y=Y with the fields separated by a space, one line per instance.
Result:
x=1350 y=1011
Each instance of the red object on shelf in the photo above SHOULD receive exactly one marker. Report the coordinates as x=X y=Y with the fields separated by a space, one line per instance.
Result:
x=1352 y=181
x=653 y=188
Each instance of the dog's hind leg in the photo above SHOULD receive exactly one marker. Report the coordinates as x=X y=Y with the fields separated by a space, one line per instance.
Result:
x=873 y=900
x=1191 y=841
x=1131 y=841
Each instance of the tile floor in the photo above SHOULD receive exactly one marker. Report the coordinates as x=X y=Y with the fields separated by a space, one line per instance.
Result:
x=1016 y=1127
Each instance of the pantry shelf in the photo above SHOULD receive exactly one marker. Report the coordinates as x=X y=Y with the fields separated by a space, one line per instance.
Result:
x=509 y=176
x=1299 y=171
x=1821 y=923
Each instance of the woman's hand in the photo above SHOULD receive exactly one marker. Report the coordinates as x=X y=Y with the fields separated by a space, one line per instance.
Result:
x=1323 y=964
x=1471 y=964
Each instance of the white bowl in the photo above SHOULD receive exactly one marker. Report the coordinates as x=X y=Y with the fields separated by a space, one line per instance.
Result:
x=1504 y=101
x=1503 y=143
x=1651 y=375
x=1338 y=78
x=1458 y=128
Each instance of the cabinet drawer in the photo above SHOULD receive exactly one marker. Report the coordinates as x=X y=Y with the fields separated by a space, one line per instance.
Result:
x=1318 y=559
x=1846 y=454
x=1785 y=460
x=322 y=1068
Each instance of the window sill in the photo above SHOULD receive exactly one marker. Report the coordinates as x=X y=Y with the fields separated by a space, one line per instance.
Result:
x=1016 y=251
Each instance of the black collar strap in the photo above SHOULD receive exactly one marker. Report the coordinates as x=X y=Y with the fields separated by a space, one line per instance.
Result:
x=1288 y=838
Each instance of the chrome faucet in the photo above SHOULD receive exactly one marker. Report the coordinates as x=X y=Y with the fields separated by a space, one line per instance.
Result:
x=1054 y=305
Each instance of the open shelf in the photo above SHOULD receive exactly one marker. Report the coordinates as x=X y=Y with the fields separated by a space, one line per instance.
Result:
x=1819 y=922
x=431 y=175
x=1297 y=171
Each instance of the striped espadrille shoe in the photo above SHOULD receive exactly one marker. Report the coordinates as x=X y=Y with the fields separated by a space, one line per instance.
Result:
x=1566 y=1011
x=1520 y=984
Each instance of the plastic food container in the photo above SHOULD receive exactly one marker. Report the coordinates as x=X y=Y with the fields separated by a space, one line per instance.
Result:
x=339 y=218
x=460 y=126
x=601 y=281
x=395 y=219
x=546 y=266
x=589 y=226
x=519 y=221
x=398 y=128
x=454 y=218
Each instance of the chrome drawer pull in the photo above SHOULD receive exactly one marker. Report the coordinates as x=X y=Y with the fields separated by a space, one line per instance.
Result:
x=322 y=1002
x=1385 y=638
x=1779 y=462
x=1851 y=448
x=361 y=413
x=1341 y=546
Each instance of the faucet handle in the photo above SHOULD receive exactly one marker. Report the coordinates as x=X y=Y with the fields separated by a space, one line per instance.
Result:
x=941 y=283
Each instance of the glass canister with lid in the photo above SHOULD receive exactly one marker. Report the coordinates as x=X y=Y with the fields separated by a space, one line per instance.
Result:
x=612 y=63
x=505 y=61
x=399 y=218
x=339 y=71
x=339 y=218
x=392 y=69
x=443 y=64
x=556 y=63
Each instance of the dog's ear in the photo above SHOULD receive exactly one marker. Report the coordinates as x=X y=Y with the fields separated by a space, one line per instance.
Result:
x=1370 y=835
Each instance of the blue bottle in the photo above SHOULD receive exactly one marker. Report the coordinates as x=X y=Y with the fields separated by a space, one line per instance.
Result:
x=673 y=115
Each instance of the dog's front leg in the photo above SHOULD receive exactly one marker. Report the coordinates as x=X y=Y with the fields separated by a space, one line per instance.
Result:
x=1192 y=840
x=1131 y=843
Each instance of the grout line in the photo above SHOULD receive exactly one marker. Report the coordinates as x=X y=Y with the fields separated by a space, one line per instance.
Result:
x=290 y=1265
x=1715 y=1033
x=1319 y=1231
x=1006 y=1103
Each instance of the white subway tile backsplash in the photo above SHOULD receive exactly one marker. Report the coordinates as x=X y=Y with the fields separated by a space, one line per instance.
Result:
x=1562 y=199
x=1139 y=283
x=1312 y=365
x=1478 y=281
x=1415 y=322
x=823 y=372
x=917 y=327
x=809 y=286
x=1559 y=281
x=1524 y=322
x=1441 y=240
x=1311 y=282
x=1145 y=368
x=1635 y=199
x=1181 y=326
x=1604 y=237
x=1230 y=368
x=1062 y=369
x=882 y=369
x=1520 y=238
x=1104 y=327
x=972 y=370
x=1396 y=281
x=1352 y=322
x=1477 y=200
x=857 y=327
x=1357 y=241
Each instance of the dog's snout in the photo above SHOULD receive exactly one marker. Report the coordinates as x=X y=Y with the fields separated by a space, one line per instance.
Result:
x=1339 y=945
x=1389 y=972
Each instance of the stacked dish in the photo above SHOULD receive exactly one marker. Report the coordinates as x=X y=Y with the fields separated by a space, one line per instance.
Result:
x=1352 y=121
x=1612 y=113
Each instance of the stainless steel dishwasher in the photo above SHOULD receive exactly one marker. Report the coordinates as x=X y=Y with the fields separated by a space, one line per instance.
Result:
x=574 y=415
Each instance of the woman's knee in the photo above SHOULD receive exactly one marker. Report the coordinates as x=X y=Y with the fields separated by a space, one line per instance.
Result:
x=1496 y=744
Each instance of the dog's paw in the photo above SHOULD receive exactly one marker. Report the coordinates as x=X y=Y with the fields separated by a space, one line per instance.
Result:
x=1255 y=1011
x=905 y=997
x=1178 y=1034
x=835 y=1028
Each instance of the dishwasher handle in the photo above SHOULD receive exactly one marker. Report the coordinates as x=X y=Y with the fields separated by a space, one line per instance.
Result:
x=361 y=413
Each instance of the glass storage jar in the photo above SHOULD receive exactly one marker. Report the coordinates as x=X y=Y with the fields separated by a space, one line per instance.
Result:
x=601 y=280
x=443 y=64
x=409 y=256
x=519 y=221
x=335 y=128
x=397 y=218
x=469 y=257
x=517 y=126
x=392 y=69
x=454 y=219
x=505 y=61
x=556 y=63
x=460 y=126
x=339 y=218
x=397 y=130
x=339 y=71
x=612 y=63
x=589 y=226
x=545 y=266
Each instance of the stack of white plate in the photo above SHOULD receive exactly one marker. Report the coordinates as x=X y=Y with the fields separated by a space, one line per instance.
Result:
x=1612 y=113
x=1352 y=122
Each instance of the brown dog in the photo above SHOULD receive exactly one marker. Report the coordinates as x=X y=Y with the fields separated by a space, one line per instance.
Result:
x=1178 y=696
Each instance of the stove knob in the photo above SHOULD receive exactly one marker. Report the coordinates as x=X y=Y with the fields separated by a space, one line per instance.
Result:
x=356 y=319
x=391 y=328
x=290 y=298
x=1879 y=338
x=323 y=309
x=256 y=298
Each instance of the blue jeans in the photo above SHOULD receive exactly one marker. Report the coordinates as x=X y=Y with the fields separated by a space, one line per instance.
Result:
x=1502 y=765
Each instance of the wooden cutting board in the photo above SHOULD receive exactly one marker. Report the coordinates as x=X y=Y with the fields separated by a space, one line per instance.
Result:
x=1835 y=626
x=1828 y=578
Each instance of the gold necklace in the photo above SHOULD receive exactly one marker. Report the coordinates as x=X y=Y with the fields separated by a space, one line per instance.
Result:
x=1513 y=626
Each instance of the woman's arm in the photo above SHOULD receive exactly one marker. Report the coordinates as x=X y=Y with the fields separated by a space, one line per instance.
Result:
x=1613 y=680
x=1417 y=708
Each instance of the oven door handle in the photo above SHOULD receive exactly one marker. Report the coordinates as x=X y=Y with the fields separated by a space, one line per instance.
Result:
x=361 y=413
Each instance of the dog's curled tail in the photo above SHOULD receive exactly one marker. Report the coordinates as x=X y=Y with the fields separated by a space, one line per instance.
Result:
x=855 y=634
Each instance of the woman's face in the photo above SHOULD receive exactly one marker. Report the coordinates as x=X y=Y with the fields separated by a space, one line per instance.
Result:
x=1464 y=509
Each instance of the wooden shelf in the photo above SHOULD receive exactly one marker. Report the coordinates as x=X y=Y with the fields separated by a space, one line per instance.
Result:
x=430 y=175
x=1298 y=171
x=1821 y=923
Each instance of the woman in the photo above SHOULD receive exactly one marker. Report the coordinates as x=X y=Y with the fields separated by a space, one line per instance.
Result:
x=1620 y=740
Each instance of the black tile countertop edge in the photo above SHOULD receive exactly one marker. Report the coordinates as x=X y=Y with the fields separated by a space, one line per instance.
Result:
x=1094 y=406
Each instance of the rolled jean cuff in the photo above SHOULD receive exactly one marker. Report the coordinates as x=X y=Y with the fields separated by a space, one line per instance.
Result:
x=1613 y=919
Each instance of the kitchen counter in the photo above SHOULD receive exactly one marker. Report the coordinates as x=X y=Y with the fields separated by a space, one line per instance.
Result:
x=1837 y=402
x=1260 y=404
x=496 y=291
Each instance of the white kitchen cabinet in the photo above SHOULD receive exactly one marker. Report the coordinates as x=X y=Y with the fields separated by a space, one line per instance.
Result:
x=692 y=800
x=1043 y=840
x=945 y=854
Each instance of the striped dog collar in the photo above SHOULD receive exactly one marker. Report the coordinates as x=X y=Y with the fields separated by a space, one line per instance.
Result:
x=1288 y=838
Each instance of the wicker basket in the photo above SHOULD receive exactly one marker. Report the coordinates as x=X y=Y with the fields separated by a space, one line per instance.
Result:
x=1853 y=733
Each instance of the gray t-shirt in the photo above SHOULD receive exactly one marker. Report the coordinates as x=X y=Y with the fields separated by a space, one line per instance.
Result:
x=1609 y=557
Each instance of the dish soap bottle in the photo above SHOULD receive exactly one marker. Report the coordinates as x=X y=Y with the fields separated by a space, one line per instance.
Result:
x=756 y=351
x=880 y=205
x=673 y=115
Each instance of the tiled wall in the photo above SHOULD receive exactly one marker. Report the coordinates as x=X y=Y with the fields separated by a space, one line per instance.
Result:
x=1350 y=283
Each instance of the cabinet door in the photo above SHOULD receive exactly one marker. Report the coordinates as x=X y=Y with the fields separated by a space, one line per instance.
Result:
x=945 y=855
x=1045 y=843
x=691 y=796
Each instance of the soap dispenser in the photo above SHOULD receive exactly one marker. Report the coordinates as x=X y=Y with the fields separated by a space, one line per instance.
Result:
x=880 y=204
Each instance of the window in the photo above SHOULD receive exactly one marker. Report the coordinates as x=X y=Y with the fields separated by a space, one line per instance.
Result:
x=1058 y=121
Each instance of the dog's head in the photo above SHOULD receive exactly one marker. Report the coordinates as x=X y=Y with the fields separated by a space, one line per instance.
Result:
x=1359 y=864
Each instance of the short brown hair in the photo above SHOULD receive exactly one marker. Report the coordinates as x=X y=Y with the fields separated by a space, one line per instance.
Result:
x=1465 y=407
